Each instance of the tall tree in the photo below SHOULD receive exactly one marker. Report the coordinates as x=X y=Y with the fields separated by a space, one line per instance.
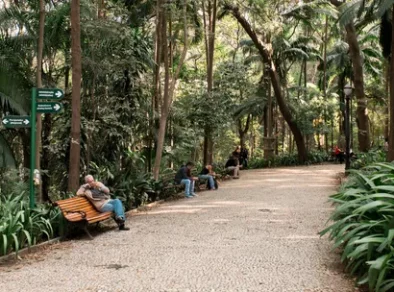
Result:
x=209 y=18
x=390 y=155
x=358 y=80
x=267 y=57
x=39 y=84
x=75 y=147
x=170 y=79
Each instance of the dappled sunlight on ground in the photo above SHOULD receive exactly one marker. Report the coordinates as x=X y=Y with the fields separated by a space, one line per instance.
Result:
x=258 y=233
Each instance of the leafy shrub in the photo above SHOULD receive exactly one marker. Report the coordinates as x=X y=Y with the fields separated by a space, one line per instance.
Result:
x=129 y=183
x=288 y=160
x=365 y=159
x=364 y=225
x=20 y=226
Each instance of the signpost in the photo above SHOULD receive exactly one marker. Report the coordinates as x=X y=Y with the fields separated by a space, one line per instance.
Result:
x=16 y=121
x=30 y=122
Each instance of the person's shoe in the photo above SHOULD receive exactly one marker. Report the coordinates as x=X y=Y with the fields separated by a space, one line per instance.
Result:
x=188 y=196
x=123 y=227
x=194 y=195
x=235 y=177
x=120 y=220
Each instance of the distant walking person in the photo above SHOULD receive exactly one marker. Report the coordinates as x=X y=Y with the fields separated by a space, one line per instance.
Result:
x=98 y=194
x=184 y=177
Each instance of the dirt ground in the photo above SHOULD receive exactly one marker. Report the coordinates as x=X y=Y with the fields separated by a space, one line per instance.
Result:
x=259 y=233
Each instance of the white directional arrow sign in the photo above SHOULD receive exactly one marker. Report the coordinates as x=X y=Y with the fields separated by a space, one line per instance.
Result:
x=48 y=107
x=50 y=93
x=16 y=121
x=56 y=107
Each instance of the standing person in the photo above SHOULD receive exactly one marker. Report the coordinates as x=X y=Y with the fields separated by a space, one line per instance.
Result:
x=208 y=173
x=232 y=165
x=244 y=156
x=98 y=194
x=184 y=177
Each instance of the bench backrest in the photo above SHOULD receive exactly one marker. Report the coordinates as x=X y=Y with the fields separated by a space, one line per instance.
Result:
x=79 y=208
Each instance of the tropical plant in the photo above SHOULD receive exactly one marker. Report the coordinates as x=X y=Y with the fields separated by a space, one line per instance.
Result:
x=363 y=225
x=21 y=226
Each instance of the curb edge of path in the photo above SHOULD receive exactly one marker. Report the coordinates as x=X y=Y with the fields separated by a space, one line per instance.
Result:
x=37 y=247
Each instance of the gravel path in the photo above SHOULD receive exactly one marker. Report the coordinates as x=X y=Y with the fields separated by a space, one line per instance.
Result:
x=258 y=233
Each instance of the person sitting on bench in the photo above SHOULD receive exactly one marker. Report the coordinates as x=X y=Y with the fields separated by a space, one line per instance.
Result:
x=207 y=173
x=98 y=194
x=232 y=166
x=183 y=177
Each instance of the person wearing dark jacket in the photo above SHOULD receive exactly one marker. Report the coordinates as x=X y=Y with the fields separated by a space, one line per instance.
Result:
x=183 y=177
x=244 y=157
x=232 y=165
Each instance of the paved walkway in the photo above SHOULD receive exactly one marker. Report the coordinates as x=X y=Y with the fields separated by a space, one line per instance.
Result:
x=258 y=233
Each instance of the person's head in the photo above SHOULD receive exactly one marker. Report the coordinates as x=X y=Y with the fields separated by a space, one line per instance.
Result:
x=190 y=165
x=89 y=179
x=208 y=166
x=238 y=149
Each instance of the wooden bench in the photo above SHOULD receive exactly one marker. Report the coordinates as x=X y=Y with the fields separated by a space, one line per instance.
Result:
x=80 y=211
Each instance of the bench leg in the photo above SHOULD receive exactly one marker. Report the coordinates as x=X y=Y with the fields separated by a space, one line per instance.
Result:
x=62 y=227
x=85 y=228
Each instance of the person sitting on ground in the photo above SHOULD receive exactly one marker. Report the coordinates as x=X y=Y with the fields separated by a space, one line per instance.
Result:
x=208 y=173
x=98 y=194
x=232 y=166
x=184 y=177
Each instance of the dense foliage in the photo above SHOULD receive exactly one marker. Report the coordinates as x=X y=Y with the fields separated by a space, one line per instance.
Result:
x=363 y=225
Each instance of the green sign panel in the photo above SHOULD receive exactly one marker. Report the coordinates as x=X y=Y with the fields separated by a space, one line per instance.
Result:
x=50 y=93
x=49 y=107
x=16 y=121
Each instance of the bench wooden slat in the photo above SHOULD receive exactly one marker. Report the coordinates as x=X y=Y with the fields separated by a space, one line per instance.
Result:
x=71 y=206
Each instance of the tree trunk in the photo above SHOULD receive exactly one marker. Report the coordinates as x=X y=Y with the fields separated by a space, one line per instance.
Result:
x=242 y=131
x=209 y=37
x=75 y=148
x=169 y=85
x=302 y=154
x=390 y=153
x=39 y=85
x=362 y=112
x=386 y=110
x=325 y=41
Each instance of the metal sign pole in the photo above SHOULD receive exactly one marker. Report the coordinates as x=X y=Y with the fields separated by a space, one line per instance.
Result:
x=33 y=146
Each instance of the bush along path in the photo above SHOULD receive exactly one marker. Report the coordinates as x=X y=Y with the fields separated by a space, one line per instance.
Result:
x=258 y=233
x=363 y=226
